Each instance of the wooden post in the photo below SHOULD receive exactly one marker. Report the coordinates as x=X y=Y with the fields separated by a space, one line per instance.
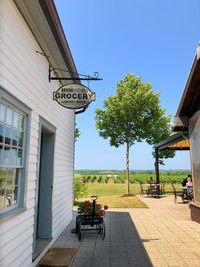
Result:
x=157 y=167
x=157 y=172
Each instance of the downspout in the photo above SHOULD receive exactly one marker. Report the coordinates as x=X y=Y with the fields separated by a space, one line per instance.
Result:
x=80 y=111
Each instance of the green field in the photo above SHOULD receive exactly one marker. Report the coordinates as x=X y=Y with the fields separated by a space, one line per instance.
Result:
x=118 y=177
x=110 y=191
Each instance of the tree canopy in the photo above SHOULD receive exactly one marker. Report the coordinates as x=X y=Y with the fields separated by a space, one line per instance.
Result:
x=77 y=133
x=133 y=115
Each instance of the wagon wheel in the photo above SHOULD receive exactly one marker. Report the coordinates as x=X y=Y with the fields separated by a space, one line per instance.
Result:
x=79 y=230
x=103 y=230
x=77 y=220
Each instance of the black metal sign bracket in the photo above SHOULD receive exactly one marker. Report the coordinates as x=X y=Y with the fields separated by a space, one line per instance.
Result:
x=82 y=78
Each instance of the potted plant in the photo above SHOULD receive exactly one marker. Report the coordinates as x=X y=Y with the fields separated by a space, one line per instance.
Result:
x=90 y=208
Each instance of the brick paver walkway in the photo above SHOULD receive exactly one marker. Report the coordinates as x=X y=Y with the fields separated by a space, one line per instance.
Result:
x=162 y=235
x=169 y=236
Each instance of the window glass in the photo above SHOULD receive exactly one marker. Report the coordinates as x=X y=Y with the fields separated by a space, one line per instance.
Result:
x=8 y=199
x=14 y=136
x=12 y=133
x=9 y=187
x=10 y=178
x=6 y=154
x=13 y=156
x=2 y=177
x=21 y=123
x=16 y=119
x=21 y=134
x=2 y=112
x=2 y=187
x=1 y=133
x=7 y=135
x=9 y=116
x=16 y=177
x=19 y=157
x=2 y=198
x=15 y=195
x=1 y=155
x=16 y=185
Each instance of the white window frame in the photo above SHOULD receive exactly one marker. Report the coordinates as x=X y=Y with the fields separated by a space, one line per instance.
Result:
x=17 y=105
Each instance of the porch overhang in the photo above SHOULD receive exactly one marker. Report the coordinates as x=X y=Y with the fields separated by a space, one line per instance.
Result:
x=190 y=101
x=178 y=141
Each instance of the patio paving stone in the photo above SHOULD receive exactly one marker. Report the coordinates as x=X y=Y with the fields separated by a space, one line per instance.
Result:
x=159 y=263
x=160 y=236
x=119 y=262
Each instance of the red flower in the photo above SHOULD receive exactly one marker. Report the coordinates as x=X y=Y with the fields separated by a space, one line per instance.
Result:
x=86 y=203
x=100 y=213
x=105 y=207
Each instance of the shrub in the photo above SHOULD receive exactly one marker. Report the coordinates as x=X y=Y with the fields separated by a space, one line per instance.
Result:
x=80 y=189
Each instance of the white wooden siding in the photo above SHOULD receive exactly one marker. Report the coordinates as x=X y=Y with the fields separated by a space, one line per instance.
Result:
x=24 y=74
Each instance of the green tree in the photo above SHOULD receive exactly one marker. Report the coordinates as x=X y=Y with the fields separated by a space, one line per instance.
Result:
x=132 y=115
x=77 y=133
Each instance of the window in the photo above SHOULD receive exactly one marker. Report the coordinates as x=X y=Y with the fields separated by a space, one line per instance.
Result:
x=12 y=151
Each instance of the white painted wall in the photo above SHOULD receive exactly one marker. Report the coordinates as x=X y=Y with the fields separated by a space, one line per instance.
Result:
x=24 y=74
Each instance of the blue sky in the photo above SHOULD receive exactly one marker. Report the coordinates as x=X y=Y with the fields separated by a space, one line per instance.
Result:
x=153 y=39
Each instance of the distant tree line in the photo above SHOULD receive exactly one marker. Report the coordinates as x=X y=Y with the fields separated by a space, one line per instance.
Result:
x=150 y=172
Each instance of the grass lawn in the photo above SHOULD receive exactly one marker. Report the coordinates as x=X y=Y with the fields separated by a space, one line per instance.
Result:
x=100 y=189
x=115 y=201
x=111 y=195
x=121 y=202
x=111 y=189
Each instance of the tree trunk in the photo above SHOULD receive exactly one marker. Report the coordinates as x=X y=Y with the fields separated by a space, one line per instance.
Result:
x=127 y=170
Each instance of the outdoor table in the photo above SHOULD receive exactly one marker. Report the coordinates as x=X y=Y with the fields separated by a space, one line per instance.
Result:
x=153 y=190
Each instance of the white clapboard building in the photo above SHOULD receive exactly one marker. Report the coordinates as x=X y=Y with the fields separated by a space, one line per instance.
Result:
x=36 y=133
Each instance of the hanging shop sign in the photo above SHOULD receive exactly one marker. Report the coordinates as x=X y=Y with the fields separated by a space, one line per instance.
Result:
x=74 y=96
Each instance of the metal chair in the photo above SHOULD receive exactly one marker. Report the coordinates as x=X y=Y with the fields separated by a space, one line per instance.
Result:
x=177 y=194
x=162 y=189
x=142 y=190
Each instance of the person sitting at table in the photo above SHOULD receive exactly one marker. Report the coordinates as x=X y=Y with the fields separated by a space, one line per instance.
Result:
x=186 y=179
x=189 y=188
x=151 y=182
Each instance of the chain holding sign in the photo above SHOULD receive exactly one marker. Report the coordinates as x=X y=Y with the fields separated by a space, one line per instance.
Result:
x=74 y=96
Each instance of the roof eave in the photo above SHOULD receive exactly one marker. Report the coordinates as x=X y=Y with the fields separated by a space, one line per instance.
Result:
x=42 y=18
x=172 y=139
x=54 y=22
x=190 y=94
